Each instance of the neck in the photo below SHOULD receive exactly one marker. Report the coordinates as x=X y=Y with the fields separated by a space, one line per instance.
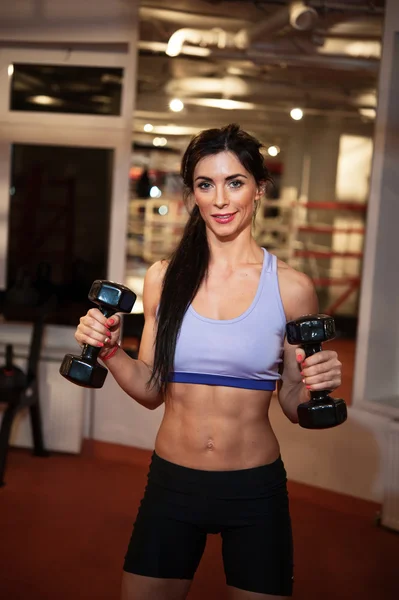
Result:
x=231 y=252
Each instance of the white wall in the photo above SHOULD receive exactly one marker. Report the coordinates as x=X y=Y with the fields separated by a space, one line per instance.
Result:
x=377 y=359
x=348 y=459
x=119 y=419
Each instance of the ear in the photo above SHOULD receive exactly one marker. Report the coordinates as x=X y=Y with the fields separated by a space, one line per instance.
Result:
x=260 y=191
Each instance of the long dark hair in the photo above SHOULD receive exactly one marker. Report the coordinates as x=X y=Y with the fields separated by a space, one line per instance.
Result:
x=188 y=265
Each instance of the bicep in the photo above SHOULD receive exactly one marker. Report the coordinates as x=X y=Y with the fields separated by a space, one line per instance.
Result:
x=151 y=297
x=299 y=299
x=146 y=351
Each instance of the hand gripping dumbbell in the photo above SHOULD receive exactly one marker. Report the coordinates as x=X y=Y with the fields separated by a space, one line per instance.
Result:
x=84 y=370
x=321 y=411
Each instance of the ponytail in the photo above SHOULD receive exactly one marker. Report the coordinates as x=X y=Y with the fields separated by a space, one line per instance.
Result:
x=187 y=268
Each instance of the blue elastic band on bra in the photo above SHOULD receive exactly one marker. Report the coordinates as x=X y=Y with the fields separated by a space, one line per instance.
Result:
x=238 y=382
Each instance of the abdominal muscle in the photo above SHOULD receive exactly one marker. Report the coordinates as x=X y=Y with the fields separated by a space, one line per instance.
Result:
x=216 y=428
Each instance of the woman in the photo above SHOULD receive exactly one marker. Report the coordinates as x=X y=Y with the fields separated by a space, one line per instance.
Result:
x=213 y=351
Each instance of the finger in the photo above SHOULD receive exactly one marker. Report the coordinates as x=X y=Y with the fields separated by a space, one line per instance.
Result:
x=90 y=323
x=320 y=357
x=97 y=315
x=88 y=335
x=323 y=380
x=114 y=322
x=87 y=340
x=329 y=385
x=300 y=355
x=320 y=368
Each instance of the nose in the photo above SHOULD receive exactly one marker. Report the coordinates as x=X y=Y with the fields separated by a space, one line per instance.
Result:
x=221 y=198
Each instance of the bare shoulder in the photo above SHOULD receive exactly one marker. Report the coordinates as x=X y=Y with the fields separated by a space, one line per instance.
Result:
x=153 y=281
x=297 y=291
x=293 y=279
x=155 y=273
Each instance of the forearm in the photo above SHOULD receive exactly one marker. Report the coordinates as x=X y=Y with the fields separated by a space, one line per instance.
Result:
x=290 y=397
x=133 y=376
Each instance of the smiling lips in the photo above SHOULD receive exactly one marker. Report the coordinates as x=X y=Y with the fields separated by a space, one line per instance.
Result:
x=224 y=218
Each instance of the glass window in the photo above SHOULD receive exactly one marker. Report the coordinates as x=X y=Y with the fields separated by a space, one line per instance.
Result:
x=58 y=227
x=72 y=89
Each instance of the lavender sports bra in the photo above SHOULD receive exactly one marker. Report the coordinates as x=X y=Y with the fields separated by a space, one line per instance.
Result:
x=244 y=352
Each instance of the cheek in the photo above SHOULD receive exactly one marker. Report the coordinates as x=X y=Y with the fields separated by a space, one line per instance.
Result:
x=202 y=198
x=247 y=200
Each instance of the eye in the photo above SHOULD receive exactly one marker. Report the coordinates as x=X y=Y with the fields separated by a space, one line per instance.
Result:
x=236 y=183
x=204 y=185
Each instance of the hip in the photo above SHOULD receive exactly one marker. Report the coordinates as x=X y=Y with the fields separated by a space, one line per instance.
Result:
x=216 y=499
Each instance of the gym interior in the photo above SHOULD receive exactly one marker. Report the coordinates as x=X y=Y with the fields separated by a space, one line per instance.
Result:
x=98 y=100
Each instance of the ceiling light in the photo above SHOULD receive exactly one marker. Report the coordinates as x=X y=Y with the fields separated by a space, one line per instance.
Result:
x=159 y=141
x=44 y=100
x=368 y=99
x=155 y=192
x=174 y=129
x=273 y=150
x=369 y=113
x=148 y=127
x=10 y=70
x=176 y=105
x=163 y=209
x=296 y=114
x=367 y=49
x=222 y=103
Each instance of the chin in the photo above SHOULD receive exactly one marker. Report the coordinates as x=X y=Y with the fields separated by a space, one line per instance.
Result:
x=226 y=233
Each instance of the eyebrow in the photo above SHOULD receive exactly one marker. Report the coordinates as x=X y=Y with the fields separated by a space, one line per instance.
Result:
x=226 y=179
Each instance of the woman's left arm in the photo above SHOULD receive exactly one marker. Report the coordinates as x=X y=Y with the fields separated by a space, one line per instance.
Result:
x=300 y=375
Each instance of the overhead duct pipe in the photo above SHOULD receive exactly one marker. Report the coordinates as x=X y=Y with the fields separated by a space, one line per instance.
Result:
x=297 y=15
x=213 y=37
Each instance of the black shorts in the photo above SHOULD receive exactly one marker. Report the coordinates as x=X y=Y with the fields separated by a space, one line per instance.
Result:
x=248 y=507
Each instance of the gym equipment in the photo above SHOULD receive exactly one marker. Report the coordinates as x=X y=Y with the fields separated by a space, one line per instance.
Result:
x=19 y=390
x=84 y=370
x=11 y=376
x=321 y=411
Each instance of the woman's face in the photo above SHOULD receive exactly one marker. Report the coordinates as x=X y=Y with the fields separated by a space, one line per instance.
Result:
x=225 y=193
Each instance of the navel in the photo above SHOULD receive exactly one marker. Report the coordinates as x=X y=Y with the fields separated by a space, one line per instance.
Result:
x=210 y=444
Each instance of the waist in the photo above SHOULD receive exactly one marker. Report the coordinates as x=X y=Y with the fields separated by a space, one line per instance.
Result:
x=216 y=428
x=263 y=479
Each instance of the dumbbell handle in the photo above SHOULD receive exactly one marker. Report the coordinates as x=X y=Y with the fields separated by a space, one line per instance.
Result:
x=311 y=349
x=318 y=396
x=89 y=352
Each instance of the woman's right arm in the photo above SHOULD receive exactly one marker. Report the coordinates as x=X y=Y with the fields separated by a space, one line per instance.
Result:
x=132 y=375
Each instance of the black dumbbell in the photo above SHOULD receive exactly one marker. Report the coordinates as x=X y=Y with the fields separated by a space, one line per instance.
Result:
x=321 y=411
x=84 y=370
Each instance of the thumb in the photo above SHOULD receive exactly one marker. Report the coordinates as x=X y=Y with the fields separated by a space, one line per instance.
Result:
x=300 y=355
x=113 y=321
